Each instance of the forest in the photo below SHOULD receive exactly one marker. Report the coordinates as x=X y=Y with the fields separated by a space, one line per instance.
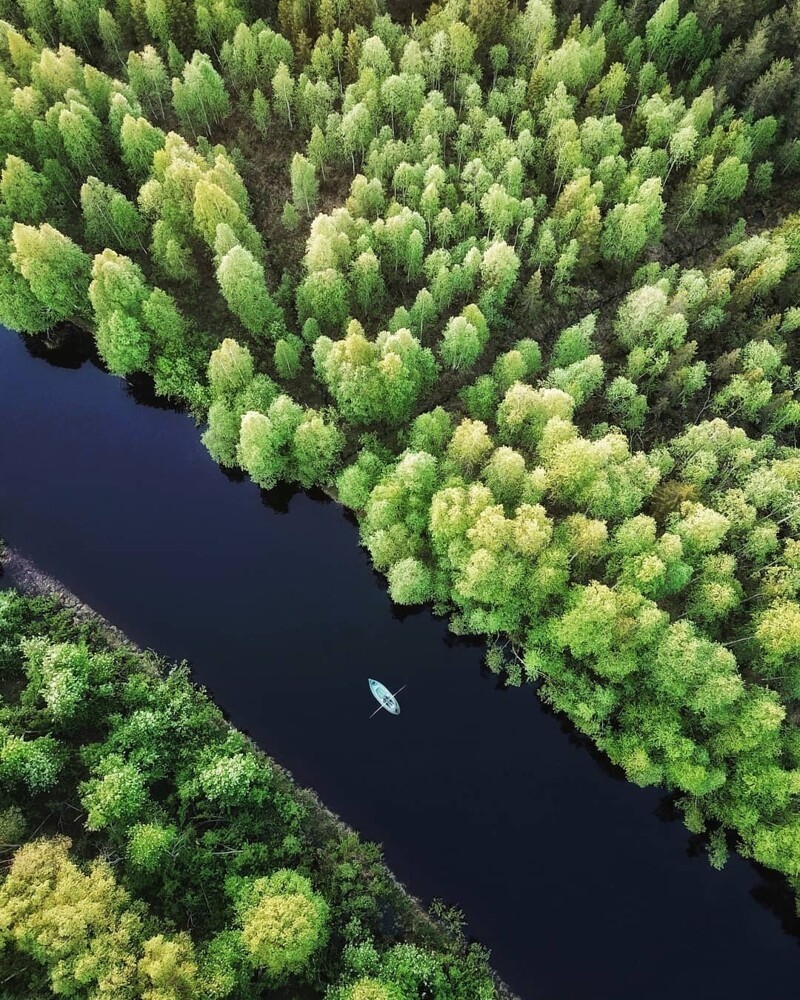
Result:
x=148 y=849
x=518 y=284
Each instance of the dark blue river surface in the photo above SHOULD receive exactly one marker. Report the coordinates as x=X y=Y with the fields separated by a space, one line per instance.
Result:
x=583 y=886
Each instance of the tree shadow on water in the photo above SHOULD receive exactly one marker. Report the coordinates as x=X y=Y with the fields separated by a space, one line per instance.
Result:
x=772 y=890
x=280 y=497
x=774 y=893
x=64 y=346
x=141 y=389
x=233 y=475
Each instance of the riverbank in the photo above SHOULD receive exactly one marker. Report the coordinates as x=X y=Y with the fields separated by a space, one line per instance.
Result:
x=401 y=917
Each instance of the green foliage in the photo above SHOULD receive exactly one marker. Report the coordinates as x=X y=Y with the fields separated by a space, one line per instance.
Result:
x=374 y=381
x=573 y=443
x=283 y=923
x=229 y=845
x=242 y=283
x=55 y=268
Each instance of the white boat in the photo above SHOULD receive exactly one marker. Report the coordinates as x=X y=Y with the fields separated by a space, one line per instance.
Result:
x=384 y=697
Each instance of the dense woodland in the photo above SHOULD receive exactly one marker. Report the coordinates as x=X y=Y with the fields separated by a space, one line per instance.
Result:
x=148 y=850
x=520 y=284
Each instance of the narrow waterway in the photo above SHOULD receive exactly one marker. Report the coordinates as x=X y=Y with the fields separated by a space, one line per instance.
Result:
x=581 y=884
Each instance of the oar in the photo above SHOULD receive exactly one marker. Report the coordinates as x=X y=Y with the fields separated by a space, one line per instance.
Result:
x=397 y=692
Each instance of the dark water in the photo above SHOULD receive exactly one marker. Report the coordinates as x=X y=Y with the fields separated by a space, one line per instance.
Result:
x=580 y=883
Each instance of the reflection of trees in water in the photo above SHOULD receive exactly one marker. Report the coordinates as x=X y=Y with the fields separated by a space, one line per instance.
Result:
x=774 y=894
x=141 y=389
x=280 y=497
x=65 y=346
x=772 y=890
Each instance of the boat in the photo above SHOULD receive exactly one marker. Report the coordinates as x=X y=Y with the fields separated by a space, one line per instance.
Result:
x=384 y=697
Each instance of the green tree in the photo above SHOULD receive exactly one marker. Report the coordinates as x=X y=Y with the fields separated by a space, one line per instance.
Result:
x=461 y=344
x=243 y=285
x=115 y=796
x=78 y=926
x=148 y=77
x=287 y=356
x=199 y=99
x=169 y=968
x=284 y=922
x=117 y=293
x=139 y=141
x=283 y=88
x=109 y=219
x=82 y=135
x=25 y=192
x=55 y=268
x=323 y=296
x=305 y=188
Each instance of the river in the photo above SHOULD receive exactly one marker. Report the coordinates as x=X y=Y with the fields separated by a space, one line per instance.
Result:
x=583 y=886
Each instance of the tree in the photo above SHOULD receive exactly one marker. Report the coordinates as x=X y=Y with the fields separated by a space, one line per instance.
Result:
x=728 y=182
x=499 y=269
x=20 y=309
x=489 y=20
x=25 y=192
x=139 y=141
x=148 y=78
x=410 y=582
x=627 y=403
x=34 y=763
x=169 y=968
x=580 y=379
x=117 y=293
x=611 y=629
x=241 y=280
x=115 y=796
x=305 y=188
x=110 y=35
x=78 y=925
x=259 y=112
x=287 y=356
x=77 y=22
x=323 y=296
x=461 y=344
x=629 y=228
x=182 y=22
x=470 y=445
x=109 y=218
x=283 y=87
x=374 y=381
x=524 y=411
x=56 y=269
x=367 y=988
x=368 y=286
x=283 y=923
x=316 y=449
x=170 y=253
x=82 y=134
x=504 y=474
x=213 y=209
x=150 y=845
x=230 y=369
x=574 y=343
x=264 y=441
x=199 y=99
x=356 y=131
